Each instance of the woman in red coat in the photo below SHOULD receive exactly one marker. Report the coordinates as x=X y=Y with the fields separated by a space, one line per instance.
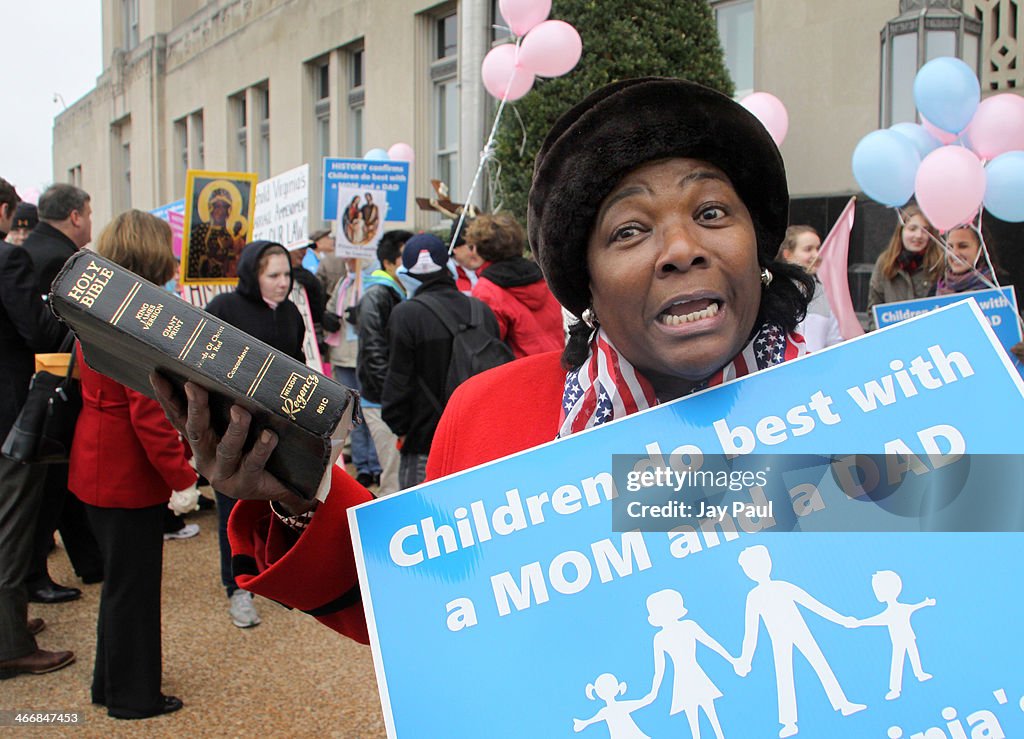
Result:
x=656 y=212
x=529 y=317
x=125 y=461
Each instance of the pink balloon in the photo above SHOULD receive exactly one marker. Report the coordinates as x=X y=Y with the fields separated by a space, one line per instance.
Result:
x=401 y=152
x=551 y=49
x=522 y=15
x=950 y=186
x=771 y=112
x=30 y=195
x=945 y=137
x=998 y=126
x=501 y=65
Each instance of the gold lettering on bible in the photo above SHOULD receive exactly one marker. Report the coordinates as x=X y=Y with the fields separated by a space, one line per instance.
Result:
x=173 y=327
x=90 y=284
x=148 y=314
x=291 y=405
x=238 y=363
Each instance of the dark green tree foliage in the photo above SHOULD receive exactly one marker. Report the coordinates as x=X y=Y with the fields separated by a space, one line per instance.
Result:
x=621 y=39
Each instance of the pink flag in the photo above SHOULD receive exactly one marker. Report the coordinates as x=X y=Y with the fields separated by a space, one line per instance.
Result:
x=832 y=271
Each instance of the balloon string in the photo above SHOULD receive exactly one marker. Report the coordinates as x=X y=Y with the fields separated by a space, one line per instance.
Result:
x=991 y=269
x=948 y=252
x=486 y=153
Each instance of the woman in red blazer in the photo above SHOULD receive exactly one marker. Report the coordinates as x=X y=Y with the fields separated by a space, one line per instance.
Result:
x=125 y=462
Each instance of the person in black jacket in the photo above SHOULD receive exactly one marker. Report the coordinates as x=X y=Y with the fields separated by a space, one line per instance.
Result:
x=420 y=349
x=26 y=326
x=26 y=218
x=314 y=288
x=64 y=227
x=315 y=295
x=381 y=293
x=260 y=307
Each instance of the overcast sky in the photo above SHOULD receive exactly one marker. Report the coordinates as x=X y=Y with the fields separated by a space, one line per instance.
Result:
x=49 y=48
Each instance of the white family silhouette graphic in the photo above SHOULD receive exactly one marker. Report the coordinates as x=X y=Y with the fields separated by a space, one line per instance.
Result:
x=776 y=603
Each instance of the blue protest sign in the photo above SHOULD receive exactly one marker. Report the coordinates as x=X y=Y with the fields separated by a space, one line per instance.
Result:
x=998 y=305
x=391 y=177
x=501 y=602
x=174 y=214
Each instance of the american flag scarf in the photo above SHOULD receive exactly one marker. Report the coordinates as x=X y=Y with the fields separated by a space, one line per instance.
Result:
x=606 y=386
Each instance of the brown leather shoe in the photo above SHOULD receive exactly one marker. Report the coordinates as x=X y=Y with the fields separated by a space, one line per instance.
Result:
x=35 y=625
x=37 y=663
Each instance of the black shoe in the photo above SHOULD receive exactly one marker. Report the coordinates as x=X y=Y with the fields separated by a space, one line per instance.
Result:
x=169 y=704
x=53 y=593
x=365 y=479
x=92 y=578
x=376 y=479
x=206 y=504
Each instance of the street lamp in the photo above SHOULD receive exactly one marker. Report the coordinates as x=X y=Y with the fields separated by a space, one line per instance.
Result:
x=924 y=30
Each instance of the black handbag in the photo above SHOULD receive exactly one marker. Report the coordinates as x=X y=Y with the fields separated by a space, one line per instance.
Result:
x=44 y=429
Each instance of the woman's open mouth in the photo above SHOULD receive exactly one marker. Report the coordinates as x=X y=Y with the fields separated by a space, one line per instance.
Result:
x=688 y=311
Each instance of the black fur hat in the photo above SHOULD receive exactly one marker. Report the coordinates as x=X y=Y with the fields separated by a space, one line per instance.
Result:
x=618 y=128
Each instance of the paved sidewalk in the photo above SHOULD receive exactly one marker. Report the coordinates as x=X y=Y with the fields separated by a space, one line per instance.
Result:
x=289 y=676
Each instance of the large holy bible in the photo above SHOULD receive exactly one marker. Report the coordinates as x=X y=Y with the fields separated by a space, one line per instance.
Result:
x=129 y=327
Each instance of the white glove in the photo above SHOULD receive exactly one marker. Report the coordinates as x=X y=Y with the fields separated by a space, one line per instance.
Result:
x=184 y=501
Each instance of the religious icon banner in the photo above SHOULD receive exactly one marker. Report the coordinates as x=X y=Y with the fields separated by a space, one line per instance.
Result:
x=219 y=210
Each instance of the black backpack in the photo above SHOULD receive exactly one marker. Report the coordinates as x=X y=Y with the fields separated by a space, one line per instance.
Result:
x=474 y=349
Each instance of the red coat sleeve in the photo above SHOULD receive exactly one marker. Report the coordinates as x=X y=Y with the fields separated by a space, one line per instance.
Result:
x=314 y=572
x=160 y=441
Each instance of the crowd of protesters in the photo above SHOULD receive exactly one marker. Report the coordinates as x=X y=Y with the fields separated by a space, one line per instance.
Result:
x=387 y=327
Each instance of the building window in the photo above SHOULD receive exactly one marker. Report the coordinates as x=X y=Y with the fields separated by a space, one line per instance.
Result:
x=445 y=100
x=499 y=26
x=126 y=174
x=239 y=143
x=735 y=22
x=263 y=113
x=75 y=175
x=447 y=37
x=121 y=164
x=188 y=148
x=197 y=155
x=356 y=99
x=180 y=155
x=321 y=110
x=130 y=15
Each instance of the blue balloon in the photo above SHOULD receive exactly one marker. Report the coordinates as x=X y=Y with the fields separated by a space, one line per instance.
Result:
x=885 y=164
x=947 y=93
x=1004 y=188
x=918 y=135
x=377 y=155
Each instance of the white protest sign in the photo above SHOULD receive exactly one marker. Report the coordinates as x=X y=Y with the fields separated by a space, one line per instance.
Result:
x=361 y=216
x=282 y=207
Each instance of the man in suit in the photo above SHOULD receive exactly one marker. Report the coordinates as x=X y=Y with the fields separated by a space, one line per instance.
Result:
x=26 y=326
x=65 y=226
